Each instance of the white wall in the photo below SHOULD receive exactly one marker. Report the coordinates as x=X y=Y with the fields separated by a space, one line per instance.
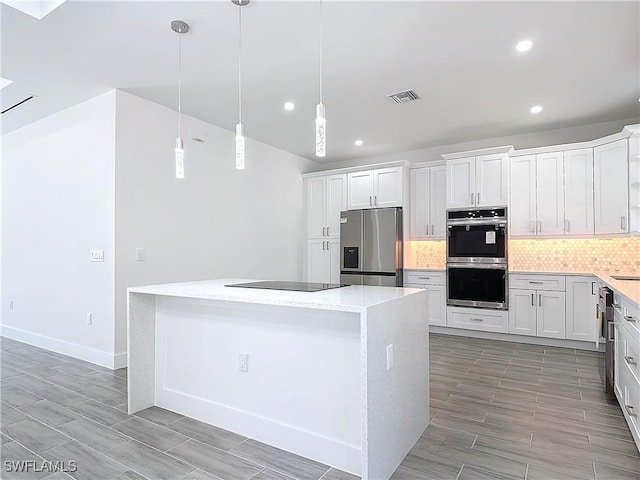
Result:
x=216 y=222
x=528 y=140
x=57 y=204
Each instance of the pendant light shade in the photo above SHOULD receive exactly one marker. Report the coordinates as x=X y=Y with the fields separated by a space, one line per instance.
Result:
x=239 y=127
x=321 y=121
x=180 y=28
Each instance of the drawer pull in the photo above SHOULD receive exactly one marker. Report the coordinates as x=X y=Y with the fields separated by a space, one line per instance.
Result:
x=629 y=318
x=477 y=319
x=629 y=360
x=535 y=283
x=423 y=278
x=629 y=409
x=615 y=305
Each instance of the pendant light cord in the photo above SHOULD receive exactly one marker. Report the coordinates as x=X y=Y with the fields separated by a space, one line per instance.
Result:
x=179 y=82
x=320 y=59
x=240 y=64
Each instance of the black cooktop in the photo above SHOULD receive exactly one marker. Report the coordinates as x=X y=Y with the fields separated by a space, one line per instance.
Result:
x=291 y=286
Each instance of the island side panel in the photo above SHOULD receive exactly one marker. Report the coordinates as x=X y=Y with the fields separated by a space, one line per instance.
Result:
x=301 y=392
x=141 y=345
x=396 y=409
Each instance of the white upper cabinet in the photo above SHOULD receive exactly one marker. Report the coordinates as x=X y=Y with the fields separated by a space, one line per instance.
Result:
x=461 y=182
x=377 y=188
x=326 y=197
x=578 y=192
x=492 y=180
x=522 y=204
x=550 y=193
x=428 y=211
x=611 y=187
x=480 y=181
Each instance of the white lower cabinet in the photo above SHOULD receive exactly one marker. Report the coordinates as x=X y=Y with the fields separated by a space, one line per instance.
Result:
x=434 y=282
x=627 y=373
x=582 y=298
x=323 y=261
x=538 y=311
x=478 y=319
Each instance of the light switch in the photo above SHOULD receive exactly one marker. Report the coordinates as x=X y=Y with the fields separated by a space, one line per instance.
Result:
x=140 y=254
x=96 y=255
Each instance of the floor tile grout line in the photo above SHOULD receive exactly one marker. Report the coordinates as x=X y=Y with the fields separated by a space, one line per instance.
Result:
x=460 y=472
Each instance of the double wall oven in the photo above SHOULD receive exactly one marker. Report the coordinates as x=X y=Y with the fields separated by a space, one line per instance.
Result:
x=477 y=268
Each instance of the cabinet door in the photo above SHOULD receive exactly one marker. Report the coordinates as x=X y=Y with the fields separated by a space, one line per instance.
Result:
x=438 y=202
x=492 y=179
x=336 y=202
x=318 y=265
x=522 y=207
x=334 y=260
x=550 y=193
x=360 y=190
x=551 y=314
x=316 y=206
x=611 y=187
x=461 y=181
x=522 y=312
x=582 y=297
x=437 y=305
x=387 y=187
x=419 y=188
x=578 y=192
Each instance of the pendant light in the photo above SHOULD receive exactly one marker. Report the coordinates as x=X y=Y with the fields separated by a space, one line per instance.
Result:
x=321 y=122
x=239 y=127
x=179 y=27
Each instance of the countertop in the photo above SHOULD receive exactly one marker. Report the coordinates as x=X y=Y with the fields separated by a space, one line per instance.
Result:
x=354 y=298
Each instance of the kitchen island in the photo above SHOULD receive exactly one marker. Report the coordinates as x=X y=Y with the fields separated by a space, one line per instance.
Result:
x=340 y=376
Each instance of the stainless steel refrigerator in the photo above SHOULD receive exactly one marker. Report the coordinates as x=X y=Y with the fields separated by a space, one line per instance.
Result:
x=371 y=247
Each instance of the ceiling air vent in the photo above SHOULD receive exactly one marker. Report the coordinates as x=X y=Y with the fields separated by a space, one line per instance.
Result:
x=403 y=97
x=15 y=105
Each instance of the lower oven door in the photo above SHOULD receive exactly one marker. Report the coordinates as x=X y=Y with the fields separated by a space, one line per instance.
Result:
x=484 y=286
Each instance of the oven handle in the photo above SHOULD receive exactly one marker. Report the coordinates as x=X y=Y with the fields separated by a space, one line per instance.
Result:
x=485 y=266
x=500 y=221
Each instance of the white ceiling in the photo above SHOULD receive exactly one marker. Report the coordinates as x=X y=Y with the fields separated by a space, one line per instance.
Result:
x=459 y=57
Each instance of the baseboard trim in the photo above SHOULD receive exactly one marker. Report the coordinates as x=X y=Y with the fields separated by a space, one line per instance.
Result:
x=75 y=350
x=510 y=337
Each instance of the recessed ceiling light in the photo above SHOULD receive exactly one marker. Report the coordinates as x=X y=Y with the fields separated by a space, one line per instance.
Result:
x=5 y=82
x=358 y=143
x=289 y=106
x=524 y=45
x=536 y=109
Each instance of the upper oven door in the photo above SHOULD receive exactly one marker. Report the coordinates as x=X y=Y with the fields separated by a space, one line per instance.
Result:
x=474 y=242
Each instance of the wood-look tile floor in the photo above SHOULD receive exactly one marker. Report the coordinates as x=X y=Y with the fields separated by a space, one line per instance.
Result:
x=499 y=410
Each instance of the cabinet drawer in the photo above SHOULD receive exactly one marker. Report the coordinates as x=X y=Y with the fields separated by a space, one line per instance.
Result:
x=631 y=351
x=478 y=319
x=630 y=401
x=537 y=282
x=625 y=313
x=426 y=277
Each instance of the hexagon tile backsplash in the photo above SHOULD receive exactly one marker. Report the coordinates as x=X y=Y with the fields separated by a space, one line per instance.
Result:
x=591 y=255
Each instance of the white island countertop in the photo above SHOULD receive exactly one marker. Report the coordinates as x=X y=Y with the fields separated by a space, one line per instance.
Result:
x=353 y=298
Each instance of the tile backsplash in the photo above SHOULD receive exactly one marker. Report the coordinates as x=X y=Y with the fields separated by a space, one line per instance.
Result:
x=592 y=255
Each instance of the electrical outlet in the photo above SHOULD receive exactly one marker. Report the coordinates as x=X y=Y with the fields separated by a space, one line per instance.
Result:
x=140 y=255
x=89 y=318
x=96 y=255
x=389 y=356
x=243 y=364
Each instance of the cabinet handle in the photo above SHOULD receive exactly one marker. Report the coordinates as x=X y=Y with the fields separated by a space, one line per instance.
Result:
x=323 y=231
x=327 y=231
x=566 y=226
x=623 y=223
x=629 y=318
x=427 y=228
x=375 y=200
x=478 y=198
x=323 y=246
x=533 y=227
x=477 y=319
x=629 y=360
x=615 y=305
x=593 y=285
x=370 y=201
x=472 y=199
x=423 y=278
x=539 y=226
x=539 y=300
x=532 y=304
x=629 y=409
x=533 y=282
x=432 y=229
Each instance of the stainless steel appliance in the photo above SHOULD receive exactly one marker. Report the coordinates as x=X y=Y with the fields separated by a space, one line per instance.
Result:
x=289 y=286
x=478 y=285
x=605 y=320
x=477 y=236
x=477 y=260
x=371 y=247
